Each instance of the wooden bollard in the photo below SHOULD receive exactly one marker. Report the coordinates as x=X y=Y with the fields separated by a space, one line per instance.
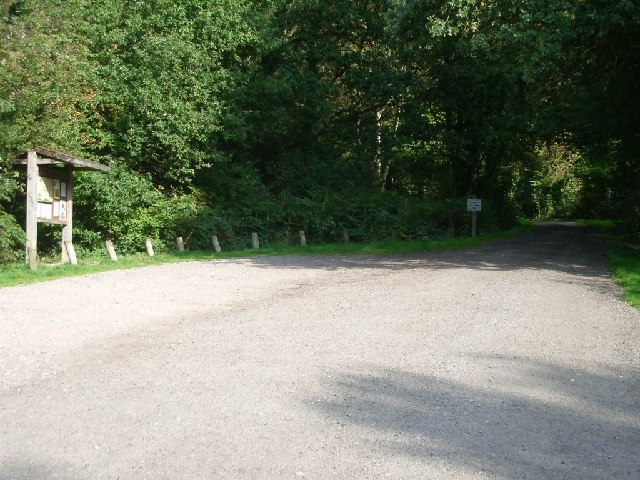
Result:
x=303 y=239
x=345 y=235
x=180 y=244
x=71 y=253
x=216 y=244
x=149 y=246
x=255 y=242
x=110 y=250
x=32 y=259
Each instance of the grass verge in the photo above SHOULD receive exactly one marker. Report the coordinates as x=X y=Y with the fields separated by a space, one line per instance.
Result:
x=19 y=274
x=623 y=252
x=625 y=267
x=624 y=261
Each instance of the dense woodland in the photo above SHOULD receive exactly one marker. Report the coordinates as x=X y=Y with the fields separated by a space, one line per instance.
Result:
x=380 y=117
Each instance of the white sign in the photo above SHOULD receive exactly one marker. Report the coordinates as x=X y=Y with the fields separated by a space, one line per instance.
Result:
x=45 y=211
x=474 y=205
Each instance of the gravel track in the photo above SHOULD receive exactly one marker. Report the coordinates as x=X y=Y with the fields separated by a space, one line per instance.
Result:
x=515 y=360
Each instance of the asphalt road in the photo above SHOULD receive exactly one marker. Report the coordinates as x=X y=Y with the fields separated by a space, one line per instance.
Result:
x=516 y=360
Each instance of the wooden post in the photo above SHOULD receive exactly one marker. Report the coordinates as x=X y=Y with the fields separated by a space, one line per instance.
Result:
x=111 y=251
x=31 y=245
x=255 y=242
x=67 y=236
x=303 y=239
x=473 y=223
x=345 y=235
x=180 y=244
x=216 y=244
x=149 y=246
x=71 y=253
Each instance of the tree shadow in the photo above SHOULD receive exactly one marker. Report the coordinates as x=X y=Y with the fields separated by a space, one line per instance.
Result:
x=571 y=249
x=23 y=470
x=531 y=420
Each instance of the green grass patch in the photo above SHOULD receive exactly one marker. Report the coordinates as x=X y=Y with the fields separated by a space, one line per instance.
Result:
x=19 y=274
x=624 y=261
x=623 y=252
x=603 y=224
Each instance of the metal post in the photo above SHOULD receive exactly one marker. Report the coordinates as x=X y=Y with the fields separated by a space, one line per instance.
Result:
x=473 y=223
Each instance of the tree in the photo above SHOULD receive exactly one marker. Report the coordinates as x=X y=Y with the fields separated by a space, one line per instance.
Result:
x=45 y=85
x=165 y=72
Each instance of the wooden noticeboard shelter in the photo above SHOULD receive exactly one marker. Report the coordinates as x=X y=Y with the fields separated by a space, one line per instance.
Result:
x=50 y=196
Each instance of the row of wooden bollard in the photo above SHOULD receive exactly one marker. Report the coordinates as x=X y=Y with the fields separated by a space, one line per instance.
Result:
x=255 y=244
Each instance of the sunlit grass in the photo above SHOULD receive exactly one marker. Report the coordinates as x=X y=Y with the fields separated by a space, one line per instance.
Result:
x=19 y=274
x=623 y=252
x=624 y=261
x=602 y=223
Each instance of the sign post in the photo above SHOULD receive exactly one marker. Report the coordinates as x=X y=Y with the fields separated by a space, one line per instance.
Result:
x=474 y=205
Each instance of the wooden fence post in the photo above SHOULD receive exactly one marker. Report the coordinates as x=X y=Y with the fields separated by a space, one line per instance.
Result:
x=111 y=251
x=32 y=211
x=303 y=239
x=345 y=235
x=216 y=244
x=149 y=246
x=180 y=244
x=255 y=242
x=71 y=253
x=32 y=259
x=67 y=229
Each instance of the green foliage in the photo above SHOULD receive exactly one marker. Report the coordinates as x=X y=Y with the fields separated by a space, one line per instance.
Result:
x=9 y=185
x=165 y=72
x=557 y=188
x=125 y=207
x=230 y=116
x=12 y=239
x=44 y=76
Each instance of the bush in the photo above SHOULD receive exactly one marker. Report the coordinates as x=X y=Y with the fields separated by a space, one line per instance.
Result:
x=125 y=207
x=12 y=239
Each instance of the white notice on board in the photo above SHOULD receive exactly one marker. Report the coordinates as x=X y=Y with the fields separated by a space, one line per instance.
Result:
x=45 y=211
x=63 y=211
x=474 y=205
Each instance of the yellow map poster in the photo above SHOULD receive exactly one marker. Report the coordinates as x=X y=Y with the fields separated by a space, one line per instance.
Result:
x=45 y=190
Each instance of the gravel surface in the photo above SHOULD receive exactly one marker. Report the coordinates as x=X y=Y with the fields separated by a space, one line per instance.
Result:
x=516 y=360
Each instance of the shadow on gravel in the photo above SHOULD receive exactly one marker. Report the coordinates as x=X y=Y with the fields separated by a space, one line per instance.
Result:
x=560 y=247
x=24 y=470
x=532 y=420
x=571 y=249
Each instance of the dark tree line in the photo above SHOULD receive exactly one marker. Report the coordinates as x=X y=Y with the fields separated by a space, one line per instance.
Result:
x=377 y=116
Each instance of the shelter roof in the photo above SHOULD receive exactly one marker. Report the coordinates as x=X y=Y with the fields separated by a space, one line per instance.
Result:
x=49 y=157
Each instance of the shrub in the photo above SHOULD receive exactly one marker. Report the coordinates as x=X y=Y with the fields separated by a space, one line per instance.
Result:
x=12 y=239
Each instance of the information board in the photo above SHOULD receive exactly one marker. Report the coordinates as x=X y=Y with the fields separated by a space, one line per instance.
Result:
x=474 y=205
x=52 y=200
